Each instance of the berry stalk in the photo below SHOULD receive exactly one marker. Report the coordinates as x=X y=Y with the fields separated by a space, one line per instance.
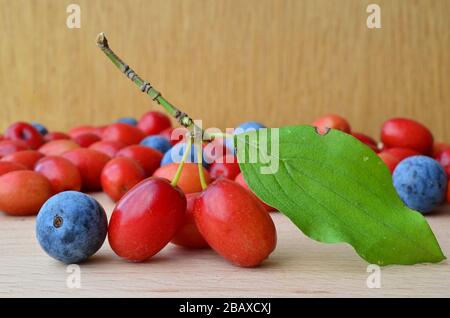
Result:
x=187 y=151
x=200 y=165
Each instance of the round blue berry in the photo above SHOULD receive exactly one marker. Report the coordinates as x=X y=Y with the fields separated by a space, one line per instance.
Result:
x=250 y=125
x=176 y=153
x=41 y=128
x=71 y=226
x=157 y=142
x=421 y=183
x=128 y=120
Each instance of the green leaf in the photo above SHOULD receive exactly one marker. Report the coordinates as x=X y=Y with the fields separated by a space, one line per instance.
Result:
x=336 y=189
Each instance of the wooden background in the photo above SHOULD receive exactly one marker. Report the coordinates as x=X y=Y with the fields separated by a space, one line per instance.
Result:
x=227 y=61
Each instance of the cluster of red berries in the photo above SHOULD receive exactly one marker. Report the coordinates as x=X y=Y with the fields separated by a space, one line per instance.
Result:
x=400 y=138
x=150 y=212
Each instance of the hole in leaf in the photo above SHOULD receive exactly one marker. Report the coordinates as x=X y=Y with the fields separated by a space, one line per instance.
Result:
x=322 y=131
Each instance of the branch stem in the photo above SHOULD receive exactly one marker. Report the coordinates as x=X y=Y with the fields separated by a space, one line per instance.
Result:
x=145 y=86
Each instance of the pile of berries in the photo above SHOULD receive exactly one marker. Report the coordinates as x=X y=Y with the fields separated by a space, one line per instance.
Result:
x=420 y=165
x=132 y=161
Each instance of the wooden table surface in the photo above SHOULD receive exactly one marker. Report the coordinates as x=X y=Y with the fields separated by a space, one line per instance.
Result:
x=299 y=267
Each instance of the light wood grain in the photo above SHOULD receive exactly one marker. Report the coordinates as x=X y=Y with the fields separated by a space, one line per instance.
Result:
x=226 y=61
x=299 y=267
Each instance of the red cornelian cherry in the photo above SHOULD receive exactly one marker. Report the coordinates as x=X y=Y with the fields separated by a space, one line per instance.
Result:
x=407 y=133
x=226 y=167
x=189 y=181
x=153 y=123
x=85 y=129
x=234 y=223
x=174 y=134
x=23 y=192
x=25 y=132
x=188 y=236
x=439 y=147
x=58 y=147
x=240 y=179
x=148 y=158
x=62 y=174
x=332 y=121
x=401 y=153
x=28 y=158
x=10 y=146
x=146 y=219
x=110 y=148
x=390 y=160
x=123 y=133
x=56 y=135
x=444 y=159
x=6 y=166
x=369 y=141
x=120 y=175
x=86 y=139
x=90 y=163
x=448 y=192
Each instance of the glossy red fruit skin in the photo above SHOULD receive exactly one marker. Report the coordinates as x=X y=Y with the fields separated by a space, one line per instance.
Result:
x=110 y=148
x=401 y=153
x=332 y=121
x=227 y=168
x=62 y=174
x=390 y=160
x=23 y=192
x=6 y=166
x=240 y=179
x=174 y=134
x=146 y=219
x=364 y=138
x=119 y=176
x=2 y=137
x=87 y=139
x=188 y=235
x=234 y=223
x=148 y=158
x=407 y=133
x=58 y=147
x=444 y=159
x=25 y=132
x=123 y=133
x=152 y=123
x=90 y=164
x=369 y=141
x=217 y=150
x=189 y=181
x=10 y=146
x=85 y=129
x=99 y=130
x=448 y=192
x=438 y=147
x=56 y=135
x=27 y=158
